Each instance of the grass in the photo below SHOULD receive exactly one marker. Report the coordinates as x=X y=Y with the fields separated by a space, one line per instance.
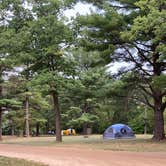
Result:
x=5 y=161
x=142 y=143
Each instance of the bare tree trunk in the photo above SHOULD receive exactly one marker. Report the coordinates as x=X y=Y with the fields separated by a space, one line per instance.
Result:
x=27 y=132
x=159 y=106
x=47 y=127
x=37 y=129
x=0 y=123
x=0 y=115
x=158 y=117
x=12 y=132
x=12 y=129
x=145 y=120
x=85 y=128
x=57 y=118
x=158 y=125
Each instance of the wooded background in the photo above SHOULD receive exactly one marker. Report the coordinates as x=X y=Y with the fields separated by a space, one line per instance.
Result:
x=65 y=79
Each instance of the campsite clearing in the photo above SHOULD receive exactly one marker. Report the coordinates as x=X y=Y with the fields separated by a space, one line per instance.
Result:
x=91 y=151
x=142 y=143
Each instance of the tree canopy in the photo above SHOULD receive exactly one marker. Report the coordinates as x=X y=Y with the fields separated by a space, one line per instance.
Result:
x=65 y=77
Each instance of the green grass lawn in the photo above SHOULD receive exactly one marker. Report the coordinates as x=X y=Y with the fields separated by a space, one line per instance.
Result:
x=142 y=143
x=5 y=161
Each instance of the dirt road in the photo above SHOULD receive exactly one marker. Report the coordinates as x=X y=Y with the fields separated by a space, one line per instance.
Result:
x=74 y=156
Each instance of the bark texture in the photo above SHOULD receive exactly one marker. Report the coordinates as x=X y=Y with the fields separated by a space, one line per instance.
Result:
x=0 y=123
x=57 y=118
x=0 y=115
x=158 y=117
x=27 y=132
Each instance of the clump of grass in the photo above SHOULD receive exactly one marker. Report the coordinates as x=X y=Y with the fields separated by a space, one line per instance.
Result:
x=5 y=161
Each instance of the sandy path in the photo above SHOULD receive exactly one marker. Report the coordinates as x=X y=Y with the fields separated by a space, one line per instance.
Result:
x=60 y=156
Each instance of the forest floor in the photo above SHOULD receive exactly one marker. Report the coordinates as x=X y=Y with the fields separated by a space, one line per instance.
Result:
x=87 y=153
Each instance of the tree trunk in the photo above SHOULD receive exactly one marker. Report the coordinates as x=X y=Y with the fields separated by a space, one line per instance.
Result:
x=47 y=127
x=158 y=117
x=0 y=115
x=158 y=99
x=158 y=125
x=12 y=130
x=27 y=132
x=37 y=129
x=57 y=118
x=86 y=109
x=85 y=128
x=145 y=120
x=0 y=123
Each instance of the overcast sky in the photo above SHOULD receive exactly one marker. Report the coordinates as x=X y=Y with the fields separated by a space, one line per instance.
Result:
x=81 y=8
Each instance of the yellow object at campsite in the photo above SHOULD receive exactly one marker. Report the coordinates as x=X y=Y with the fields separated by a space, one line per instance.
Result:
x=68 y=132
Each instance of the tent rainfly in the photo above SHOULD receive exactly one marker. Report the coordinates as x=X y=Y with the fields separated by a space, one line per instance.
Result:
x=118 y=131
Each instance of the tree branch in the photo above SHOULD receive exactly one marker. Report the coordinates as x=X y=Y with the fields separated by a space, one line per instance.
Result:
x=137 y=64
x=146 y=91
x=145 y=45
x=146 y=102
x=143 y=55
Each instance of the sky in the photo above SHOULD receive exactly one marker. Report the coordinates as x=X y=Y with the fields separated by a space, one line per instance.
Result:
x=81 y=8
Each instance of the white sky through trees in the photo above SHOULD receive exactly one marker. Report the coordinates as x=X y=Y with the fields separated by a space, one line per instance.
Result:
x=79 y=8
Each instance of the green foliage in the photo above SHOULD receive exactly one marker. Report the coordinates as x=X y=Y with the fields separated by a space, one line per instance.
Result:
x=153 y=24
x=159 y=82
x=140 y=117
x=10 y=103
x=84 y=118
x=13 y=120
x=101 y=32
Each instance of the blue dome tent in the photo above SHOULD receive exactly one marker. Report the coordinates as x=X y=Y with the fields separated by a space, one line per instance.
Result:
x=118 y=131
